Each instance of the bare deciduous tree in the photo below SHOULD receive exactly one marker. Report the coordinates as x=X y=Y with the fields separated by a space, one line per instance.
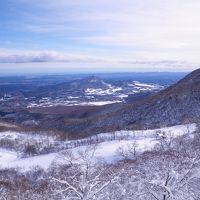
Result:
x=85 y=178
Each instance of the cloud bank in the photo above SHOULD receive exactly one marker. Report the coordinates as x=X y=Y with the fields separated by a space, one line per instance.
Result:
x=79 y=62
x=129 y=33
x=46 y=57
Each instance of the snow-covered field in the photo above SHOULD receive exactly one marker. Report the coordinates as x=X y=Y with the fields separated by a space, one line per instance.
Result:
x=52 y=103
x=109 y=94
x=107 y=150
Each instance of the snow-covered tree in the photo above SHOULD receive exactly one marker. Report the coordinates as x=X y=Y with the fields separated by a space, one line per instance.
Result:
x=83 y=177
x=162 y=177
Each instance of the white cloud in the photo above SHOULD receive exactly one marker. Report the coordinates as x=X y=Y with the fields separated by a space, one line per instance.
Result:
x=15 y=56
x=66 y=62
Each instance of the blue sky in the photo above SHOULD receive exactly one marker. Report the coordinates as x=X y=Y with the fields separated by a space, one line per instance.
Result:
x=99 y=35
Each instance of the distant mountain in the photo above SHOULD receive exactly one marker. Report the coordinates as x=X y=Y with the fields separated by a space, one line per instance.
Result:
x=178 y=104
x=90 y=82
x=91 y=90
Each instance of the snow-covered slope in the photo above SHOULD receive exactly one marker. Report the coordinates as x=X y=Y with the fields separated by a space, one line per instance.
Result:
x=107 y=149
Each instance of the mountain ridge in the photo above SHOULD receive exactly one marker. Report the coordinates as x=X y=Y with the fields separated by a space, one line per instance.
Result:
x=178 y=104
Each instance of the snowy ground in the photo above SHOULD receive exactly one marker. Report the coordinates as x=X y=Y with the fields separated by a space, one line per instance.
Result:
x=145 y=140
